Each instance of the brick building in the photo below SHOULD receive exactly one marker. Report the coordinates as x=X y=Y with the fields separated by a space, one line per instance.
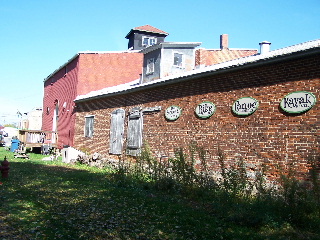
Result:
x=248 y=107
x=85 y=72
x=93 y=71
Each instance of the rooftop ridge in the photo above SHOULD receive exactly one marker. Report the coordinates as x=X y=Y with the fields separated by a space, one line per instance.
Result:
x=149 y=28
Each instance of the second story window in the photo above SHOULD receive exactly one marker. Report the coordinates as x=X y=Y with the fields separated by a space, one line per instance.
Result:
x=150 y=66
x=178 y=59
x=148 y=41
x=88 y=128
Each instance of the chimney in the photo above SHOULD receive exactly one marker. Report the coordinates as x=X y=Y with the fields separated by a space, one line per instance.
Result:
x=224 y=41
x=264 y=47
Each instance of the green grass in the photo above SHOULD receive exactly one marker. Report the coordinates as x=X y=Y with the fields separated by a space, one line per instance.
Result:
x=53 y=200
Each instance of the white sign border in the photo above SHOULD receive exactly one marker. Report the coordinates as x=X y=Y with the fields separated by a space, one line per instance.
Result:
x=173 y=119
x=245 y=114
x=205 y=117
x=297 y=112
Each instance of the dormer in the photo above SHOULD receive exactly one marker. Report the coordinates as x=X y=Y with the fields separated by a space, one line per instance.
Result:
x=167 y=58
x=145 y=36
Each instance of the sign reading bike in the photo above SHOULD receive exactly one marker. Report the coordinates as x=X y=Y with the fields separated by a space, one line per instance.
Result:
x=205 y=109
x=298 y=102
x=245 y=106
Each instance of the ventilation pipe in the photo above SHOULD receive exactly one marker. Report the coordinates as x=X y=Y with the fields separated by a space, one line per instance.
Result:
x=264 y=47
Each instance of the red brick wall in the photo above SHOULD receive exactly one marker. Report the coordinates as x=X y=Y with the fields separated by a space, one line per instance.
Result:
x=205 y=57
x=268 y=136
x=61 y=87
x=108 y=69
x=85 y=73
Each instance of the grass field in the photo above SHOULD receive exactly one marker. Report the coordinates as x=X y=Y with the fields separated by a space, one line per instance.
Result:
x=52 y=200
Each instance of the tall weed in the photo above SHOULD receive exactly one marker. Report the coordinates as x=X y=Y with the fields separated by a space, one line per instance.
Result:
x=234 y=177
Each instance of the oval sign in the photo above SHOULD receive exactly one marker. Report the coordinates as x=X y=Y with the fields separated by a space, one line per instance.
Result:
x=245 y=106
x=173 y=112
x=297 y=102
x=205 y=109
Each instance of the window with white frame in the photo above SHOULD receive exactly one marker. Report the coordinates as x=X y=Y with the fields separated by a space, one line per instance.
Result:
x=148 y=41
x=178 y=59
x=88 y=128
x=150 y=66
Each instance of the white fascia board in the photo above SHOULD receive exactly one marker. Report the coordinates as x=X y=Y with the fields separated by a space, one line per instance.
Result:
x=181 y=44
x=109 y=90
x=230 y=49
x=106 y=52
x=171 y=44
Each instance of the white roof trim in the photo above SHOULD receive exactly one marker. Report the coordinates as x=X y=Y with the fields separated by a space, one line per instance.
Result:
x=170 y=44
x=230 y=49
x=207 y=70
x=106 y=52
x=113 y=89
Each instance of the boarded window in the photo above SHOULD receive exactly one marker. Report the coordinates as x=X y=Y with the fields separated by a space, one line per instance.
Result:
x=150 y=66
x=116 y=131
x=88 y=129
x=134 y=139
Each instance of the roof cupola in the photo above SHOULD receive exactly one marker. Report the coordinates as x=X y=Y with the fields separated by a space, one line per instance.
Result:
x=145 y=36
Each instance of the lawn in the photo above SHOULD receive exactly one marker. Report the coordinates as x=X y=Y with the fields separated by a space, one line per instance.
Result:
x=53 y=200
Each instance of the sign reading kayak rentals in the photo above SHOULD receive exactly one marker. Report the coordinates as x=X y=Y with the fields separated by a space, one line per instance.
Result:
x=297 y=102
x=173 y=113
x=245 y=106
x=205 y=109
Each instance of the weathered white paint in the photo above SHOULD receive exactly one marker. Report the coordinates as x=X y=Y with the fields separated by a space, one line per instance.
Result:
x=134 y=138
x=117 y=131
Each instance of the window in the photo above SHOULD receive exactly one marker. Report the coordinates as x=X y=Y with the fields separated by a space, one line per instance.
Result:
x=177 y=59
x=134 y=139
x=148 y=41
x=150 y=66
x=116 y=131
x=152 y=41
x=88 y=129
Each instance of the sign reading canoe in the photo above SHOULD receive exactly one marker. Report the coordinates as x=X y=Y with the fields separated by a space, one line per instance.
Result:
x=173 y=112
x=205 y=109
x=298 y=102
x=245 y=106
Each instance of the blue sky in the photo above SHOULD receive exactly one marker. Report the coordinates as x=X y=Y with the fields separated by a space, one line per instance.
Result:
x=38 y=36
